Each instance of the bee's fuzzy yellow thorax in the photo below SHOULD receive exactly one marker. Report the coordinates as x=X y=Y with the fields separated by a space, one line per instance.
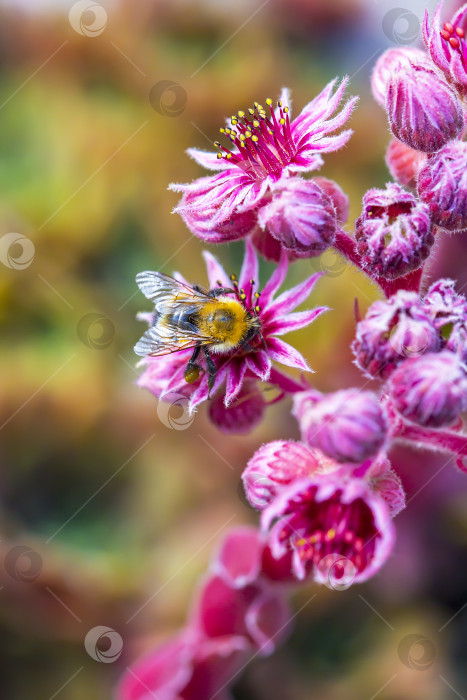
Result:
x=226 y=320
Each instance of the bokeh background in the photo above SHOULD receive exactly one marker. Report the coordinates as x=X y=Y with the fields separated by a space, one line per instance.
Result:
x=110 y=506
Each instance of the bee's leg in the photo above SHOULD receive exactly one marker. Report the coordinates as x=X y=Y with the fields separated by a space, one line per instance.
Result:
x=211 y=368
x=193 y=368
x=249 y=336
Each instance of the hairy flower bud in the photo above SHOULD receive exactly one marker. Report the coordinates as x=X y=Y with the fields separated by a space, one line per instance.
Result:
x=338 y=197
x=449 y=312
x=442 y=185
x=430 y=390
x=301 y=216
x=394 y=232
x=348 y=426
x=423 y=111
x=385 y=66
x=403 y=163
x=276 y=465
x=392 y=331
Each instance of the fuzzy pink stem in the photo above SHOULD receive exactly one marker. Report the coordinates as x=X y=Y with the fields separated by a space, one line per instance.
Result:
x=345 y=245
x=444 y=440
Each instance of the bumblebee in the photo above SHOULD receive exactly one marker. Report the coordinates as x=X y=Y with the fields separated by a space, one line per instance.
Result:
x=210 y=322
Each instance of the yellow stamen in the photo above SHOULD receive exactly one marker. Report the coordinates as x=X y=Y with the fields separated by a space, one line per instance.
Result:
x=331 y=533
x=254 y=138
x=269 y=101
x=282 y=121
x=241 y=113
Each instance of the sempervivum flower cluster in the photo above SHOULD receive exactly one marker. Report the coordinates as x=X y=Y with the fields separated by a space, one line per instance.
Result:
x=239 y=613
x=419 y=346
x=423 y=93
x=253 y=191
x=238 y=400
x=336 y=525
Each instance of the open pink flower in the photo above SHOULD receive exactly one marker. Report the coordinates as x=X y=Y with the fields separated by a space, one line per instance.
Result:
x=266 y=147
x=326 y=519
x=447 y=46
x=164 y=376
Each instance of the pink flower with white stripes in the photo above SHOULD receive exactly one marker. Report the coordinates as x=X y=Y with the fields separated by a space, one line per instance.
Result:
x=266 y=146
x=249 y=363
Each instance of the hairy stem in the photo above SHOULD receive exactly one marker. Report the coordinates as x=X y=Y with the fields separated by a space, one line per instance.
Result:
x=345 y=245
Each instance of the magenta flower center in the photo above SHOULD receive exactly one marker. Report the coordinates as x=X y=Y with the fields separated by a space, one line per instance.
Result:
x=454 y=40
x=265 y=145
x=320 y=529
x=392 y=211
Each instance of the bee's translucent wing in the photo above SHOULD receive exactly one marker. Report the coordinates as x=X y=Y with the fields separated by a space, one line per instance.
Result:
x=165 y=337
x=164 y=291
x=153 y=343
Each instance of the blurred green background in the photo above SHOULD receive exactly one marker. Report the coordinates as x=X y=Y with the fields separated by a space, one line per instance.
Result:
x=109 y=515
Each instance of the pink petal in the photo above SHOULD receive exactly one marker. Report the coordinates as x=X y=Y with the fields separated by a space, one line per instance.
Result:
x=282 y=352
x=294 y=321
x=249 y=269
x=161 y=673
x=275 y=281
x=268 y=621
x=260 y=364
x=235 y=371
x=208 y=159
x=289 y=300
x=215 y=271
x=202 y=392
x=238 y=561
x=288 y=384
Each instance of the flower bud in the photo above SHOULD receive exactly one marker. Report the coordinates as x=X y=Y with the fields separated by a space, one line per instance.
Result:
x=392 y=331
x=448 y=310
x=430 y=390
x=385 y=66
x=423 y=111
x=243 y=414
x=403 y=163
x=278 y=464
x=348 y=426
x=301 y=217
x=442 y=186
x=337 y=195
x=394 y=232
